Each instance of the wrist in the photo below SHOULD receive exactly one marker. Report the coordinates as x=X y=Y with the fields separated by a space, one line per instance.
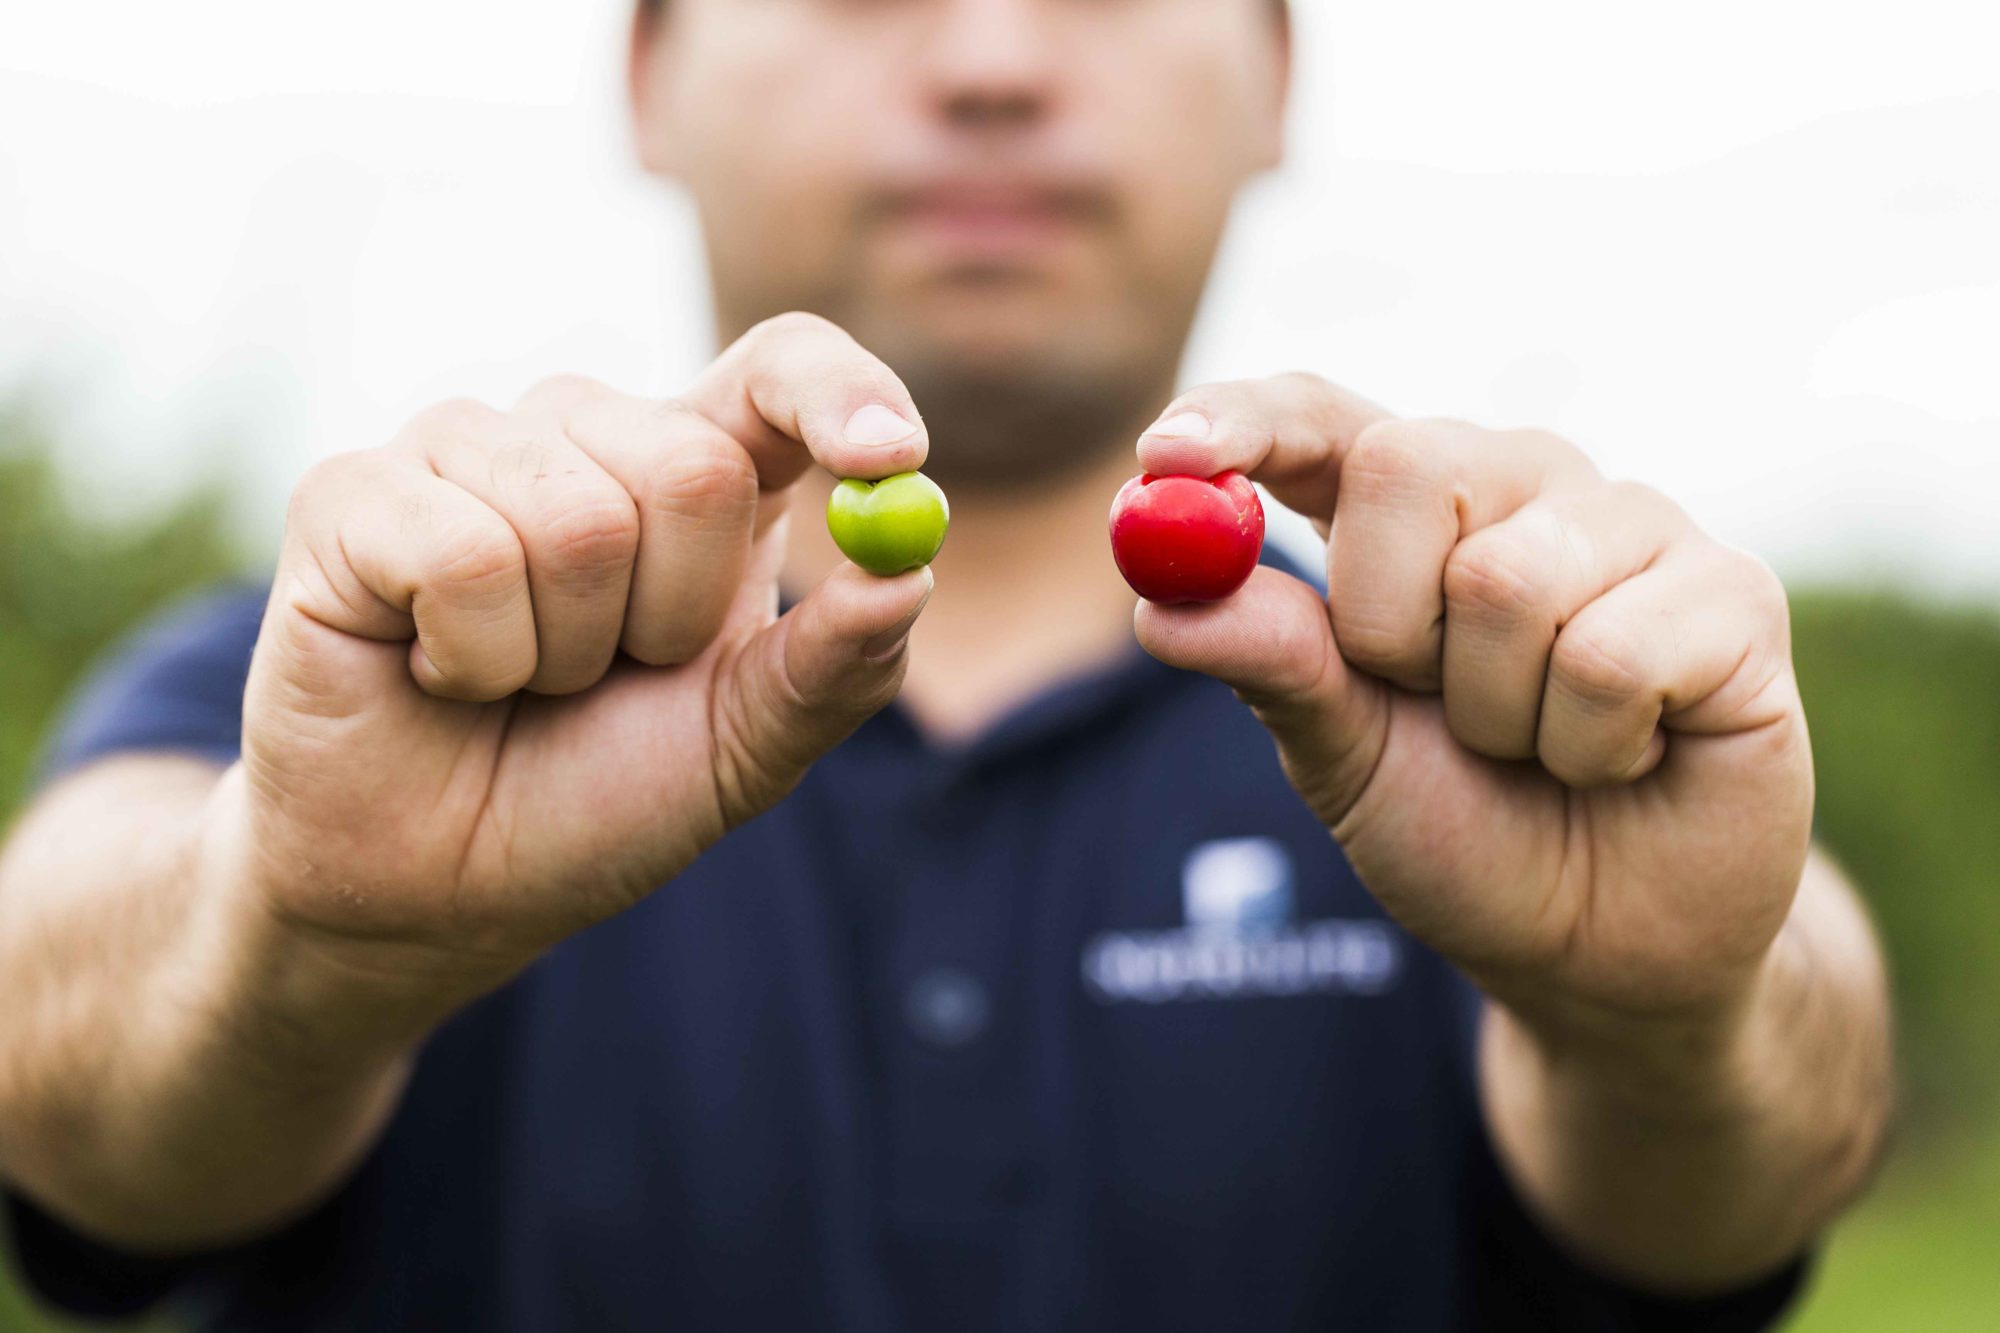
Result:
x=1697 y=1145
x=299 y=995
x=1691 y=1063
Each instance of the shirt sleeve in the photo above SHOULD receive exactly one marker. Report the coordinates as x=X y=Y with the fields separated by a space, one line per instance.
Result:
x=1518 y=1278
x=176 y=684
x=1514 y=1276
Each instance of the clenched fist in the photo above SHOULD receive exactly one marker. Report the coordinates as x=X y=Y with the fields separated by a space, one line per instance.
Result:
x=1553 y=724
x=520 y=667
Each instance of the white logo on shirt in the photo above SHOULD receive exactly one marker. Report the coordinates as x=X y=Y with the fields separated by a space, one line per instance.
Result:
x=1237 y=884
x=1240 y=939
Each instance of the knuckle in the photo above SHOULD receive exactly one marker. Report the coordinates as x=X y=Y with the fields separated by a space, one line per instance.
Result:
x=1766 y=589
x=565 y=387
x=1498 y=577
x=454 y=418
x=792 y=324
x=322 y=478
x=671 y=410
x=1536 y=438
x=517 y=464
x=1638 y=495
x=1643 y=506
x=1600 y=664
x=1560 y=455
x=1372 y=644
x=475 y=684
x=477 y=562
x=705 y=475
x=1310 y=380
x=329 y=490
x=592 y=532
x=1393 y=457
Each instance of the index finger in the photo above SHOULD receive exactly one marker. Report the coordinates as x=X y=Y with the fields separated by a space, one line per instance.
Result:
x=1289 y=432
x=797 y=379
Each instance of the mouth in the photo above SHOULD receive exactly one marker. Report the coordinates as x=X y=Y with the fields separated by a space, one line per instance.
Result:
x=989 y=222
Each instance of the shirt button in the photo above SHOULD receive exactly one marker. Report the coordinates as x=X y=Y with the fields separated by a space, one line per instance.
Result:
x=947 y=1006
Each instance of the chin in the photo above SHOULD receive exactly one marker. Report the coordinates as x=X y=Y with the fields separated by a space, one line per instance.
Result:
x=998 y=333
x=999 y=320
x=1010 y=394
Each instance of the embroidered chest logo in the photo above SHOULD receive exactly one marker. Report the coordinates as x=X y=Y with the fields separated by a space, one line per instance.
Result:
x=1242 y=938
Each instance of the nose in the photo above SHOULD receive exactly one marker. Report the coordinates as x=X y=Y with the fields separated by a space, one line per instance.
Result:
x=989 y=64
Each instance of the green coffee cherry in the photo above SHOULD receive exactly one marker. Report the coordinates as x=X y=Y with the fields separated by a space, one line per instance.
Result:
x=888 y=526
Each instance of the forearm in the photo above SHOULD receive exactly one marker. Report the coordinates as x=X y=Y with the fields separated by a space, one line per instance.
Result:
x=177 y=1067
x=1695 y=1153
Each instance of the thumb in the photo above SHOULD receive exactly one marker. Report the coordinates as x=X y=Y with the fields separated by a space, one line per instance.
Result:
x=803 y=683
x=1272 y=642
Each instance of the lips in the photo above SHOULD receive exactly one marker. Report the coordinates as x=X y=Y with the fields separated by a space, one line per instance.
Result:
x=991 y=217
x=998 y=201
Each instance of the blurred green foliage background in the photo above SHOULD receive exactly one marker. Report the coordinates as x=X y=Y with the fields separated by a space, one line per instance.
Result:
x=1904 y=698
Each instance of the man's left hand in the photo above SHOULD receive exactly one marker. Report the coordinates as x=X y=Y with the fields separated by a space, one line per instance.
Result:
x=1552 y=723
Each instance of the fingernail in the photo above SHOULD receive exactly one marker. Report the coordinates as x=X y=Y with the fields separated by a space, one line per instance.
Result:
x=877 y=425
x=1181 y=426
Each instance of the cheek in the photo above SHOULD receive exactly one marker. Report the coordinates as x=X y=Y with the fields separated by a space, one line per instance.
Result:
x=771 y=136
x=1183 y=136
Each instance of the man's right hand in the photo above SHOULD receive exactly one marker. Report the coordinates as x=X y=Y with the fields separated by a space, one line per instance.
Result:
x=518 y=668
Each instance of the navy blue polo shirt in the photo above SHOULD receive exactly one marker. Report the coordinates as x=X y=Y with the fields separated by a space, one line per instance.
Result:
x=1083 y=1025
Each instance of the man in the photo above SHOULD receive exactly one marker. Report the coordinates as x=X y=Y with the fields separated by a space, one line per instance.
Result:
x=1002 y=976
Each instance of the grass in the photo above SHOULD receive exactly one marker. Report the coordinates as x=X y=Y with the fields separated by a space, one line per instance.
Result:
x=1921 y=1252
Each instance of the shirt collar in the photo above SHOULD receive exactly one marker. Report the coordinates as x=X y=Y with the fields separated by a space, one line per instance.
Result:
x=1064 y=708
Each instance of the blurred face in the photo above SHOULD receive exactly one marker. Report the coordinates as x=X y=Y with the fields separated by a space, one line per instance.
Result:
x=1013 y=202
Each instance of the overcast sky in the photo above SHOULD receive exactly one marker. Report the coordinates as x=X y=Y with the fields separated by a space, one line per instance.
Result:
x=1746 y=251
